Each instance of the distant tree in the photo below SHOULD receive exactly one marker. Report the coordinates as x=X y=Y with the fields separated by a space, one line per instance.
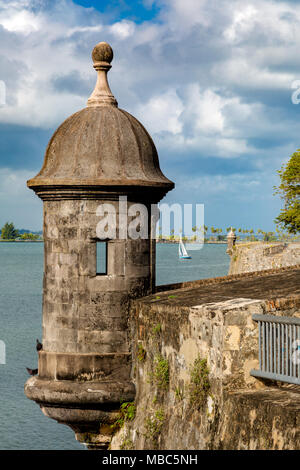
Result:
x=289 y=190
x=30 y=236
x=8 y=232
x=221 y=238
x=269 y=236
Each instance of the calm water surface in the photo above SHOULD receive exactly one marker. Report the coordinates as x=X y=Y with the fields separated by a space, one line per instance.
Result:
x=23 y=425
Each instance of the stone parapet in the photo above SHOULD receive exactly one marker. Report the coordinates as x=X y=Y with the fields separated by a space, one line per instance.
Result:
x=258 y=256
x=193 y=350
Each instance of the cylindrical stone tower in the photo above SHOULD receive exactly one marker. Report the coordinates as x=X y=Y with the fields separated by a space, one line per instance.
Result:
x=231 y=240
x=96 y=156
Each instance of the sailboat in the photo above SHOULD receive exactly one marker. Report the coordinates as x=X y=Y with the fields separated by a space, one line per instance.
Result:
x=183 y=254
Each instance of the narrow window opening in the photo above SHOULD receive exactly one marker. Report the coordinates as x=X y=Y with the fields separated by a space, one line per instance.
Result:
x=101 y=258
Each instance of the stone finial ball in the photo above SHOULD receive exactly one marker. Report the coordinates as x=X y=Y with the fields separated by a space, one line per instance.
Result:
x=102 y=52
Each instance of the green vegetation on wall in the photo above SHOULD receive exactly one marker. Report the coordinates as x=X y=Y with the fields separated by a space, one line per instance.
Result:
x=141 y=353
x=161 y=372
x=126 y=413
x=199 y=385
x=153 y=425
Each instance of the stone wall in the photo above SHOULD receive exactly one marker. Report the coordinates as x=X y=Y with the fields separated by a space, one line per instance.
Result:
x=85 y=313
x=191 y=368
x=84 y=367
x=247 y=257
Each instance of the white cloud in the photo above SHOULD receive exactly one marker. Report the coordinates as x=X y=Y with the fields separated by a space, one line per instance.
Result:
x=182 y=14
x=20 y=22
x=206 y=79
x=161 y=113
x=205 y=110
x=200 y=119
x=187 y=77
x=123 y=29
x=39 y=108
x=272 y=20
x=242 y=22
x=84 y=29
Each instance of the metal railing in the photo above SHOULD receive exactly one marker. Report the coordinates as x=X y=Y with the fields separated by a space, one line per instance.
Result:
x=279 y=348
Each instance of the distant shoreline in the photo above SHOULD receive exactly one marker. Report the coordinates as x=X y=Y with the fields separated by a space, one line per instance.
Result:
x=157 y=241
x=22 y=241
x=218 y=242
x=172 y=242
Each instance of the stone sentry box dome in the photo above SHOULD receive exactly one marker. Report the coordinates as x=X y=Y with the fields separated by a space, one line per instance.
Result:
x=95 y=156
x=102 y=147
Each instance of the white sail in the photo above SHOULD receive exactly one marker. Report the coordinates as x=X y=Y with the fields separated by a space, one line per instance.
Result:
x=181 y=248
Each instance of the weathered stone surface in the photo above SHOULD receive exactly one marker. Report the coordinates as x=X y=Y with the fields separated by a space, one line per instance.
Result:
x=95 y=156
x=247 y=257
x=262 y=419
x=104 y=147
x=275 y=283
x=83 y=367
x=81 y=307
x=69 y=393
x=180 y=326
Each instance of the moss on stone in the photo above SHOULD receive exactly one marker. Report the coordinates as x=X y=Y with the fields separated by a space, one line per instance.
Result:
x=127 y=443
x=199 y=386
x=160 y=375
x=179 y=394
x=141 y=354
x=153 y=425
x=156 y=329
x=126 y=413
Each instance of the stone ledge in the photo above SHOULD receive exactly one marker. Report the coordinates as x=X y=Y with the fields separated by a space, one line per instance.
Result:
x=265 y=419
x=263 y=285
x=82 y=367
x=67 y=393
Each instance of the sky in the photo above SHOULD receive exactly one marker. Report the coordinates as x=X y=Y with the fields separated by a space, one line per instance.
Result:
x=211 y=80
